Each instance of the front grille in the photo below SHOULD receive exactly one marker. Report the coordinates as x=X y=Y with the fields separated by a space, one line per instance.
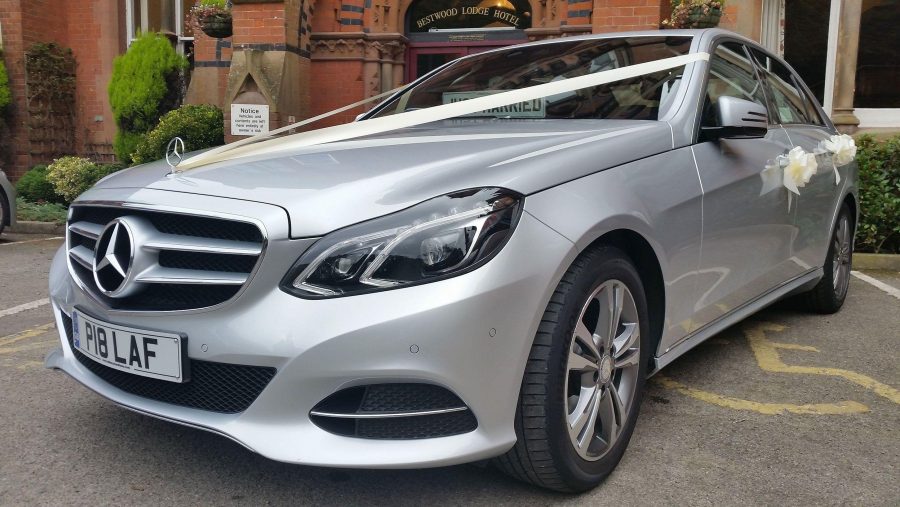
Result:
x=402 y=411
x=216 y=387
x=180 y=261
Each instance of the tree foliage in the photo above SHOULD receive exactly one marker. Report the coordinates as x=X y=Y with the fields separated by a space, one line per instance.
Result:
x=5 y=93
x=145 y=84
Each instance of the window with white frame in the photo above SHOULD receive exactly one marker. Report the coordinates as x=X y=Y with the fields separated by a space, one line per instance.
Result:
x=165 y=16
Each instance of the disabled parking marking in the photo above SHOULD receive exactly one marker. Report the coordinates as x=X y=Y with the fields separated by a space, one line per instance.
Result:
x=768 y=359
x=840 y=407
x=767 y=356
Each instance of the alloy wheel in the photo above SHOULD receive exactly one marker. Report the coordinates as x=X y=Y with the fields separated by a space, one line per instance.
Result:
x=840 y=262
x=602 y=369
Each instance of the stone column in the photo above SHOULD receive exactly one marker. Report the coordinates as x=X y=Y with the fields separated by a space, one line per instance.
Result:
x=845 y=66
x=269 y=63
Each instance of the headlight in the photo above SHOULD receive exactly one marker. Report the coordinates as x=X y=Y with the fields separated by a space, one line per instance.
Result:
x=439 y=238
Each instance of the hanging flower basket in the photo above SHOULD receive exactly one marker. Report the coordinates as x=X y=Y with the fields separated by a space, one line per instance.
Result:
x=701 y=17
x=217 y=25
x=694 y=14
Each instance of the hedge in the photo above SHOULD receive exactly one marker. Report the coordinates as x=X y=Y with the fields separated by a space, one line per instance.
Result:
x=879 y=194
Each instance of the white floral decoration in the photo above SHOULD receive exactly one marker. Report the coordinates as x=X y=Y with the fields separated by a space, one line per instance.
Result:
x=799 y=168
x=843 y=151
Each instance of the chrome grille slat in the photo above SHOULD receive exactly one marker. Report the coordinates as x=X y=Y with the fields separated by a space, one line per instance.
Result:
x=87 y=229
x=159 y=274
x=180 y=261
x=202 y=245
x=83 y=255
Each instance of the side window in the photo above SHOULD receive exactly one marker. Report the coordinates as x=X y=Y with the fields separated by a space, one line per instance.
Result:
x=812 y=111
x=731 y=74
x=787 y=98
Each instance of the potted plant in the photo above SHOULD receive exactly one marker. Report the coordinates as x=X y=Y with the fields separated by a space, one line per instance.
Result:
x=213 y=17
x=694 y=14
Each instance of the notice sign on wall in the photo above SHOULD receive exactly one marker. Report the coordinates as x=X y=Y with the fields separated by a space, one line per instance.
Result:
x=249 y=119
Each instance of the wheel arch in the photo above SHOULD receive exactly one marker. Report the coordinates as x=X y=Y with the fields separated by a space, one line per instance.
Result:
x=7 y=204
x=851 y=201
x=645 y=259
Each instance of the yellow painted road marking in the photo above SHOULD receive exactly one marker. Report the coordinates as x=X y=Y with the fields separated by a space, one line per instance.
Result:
x=767 y=356
x=26 y=346
x=24 y=335
x=841 y=407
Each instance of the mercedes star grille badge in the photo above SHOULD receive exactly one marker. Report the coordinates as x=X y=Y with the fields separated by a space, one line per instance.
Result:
x=114 y=258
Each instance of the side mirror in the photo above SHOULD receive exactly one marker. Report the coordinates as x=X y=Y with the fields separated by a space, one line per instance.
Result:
x=738 y=119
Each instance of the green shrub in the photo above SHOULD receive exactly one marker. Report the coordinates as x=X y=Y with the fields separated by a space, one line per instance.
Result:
x=5 y=94
x=40 y=212
x=213 y=3
x=879 y=194
x=145 y=84
x=35 y=187
x=72 y=176
x=199 y=126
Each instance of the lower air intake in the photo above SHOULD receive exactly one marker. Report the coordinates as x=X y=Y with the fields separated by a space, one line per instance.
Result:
x=394 y=412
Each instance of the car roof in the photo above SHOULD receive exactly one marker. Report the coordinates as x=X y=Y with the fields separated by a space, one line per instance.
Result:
x=703 y=37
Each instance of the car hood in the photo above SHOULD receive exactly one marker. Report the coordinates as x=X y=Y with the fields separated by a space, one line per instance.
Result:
x=329 y=186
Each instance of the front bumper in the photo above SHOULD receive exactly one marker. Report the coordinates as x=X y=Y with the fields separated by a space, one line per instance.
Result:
x=471 y=334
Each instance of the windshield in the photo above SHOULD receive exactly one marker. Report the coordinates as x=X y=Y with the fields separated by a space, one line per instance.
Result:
x=640 y=98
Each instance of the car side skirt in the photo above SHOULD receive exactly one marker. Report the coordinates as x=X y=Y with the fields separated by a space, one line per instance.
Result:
x=717 y=326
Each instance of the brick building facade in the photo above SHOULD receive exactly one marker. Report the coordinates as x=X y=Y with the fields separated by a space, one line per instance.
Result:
x=305 y=57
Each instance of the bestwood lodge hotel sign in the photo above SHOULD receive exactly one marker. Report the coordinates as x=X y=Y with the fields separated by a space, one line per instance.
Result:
x=493 y=13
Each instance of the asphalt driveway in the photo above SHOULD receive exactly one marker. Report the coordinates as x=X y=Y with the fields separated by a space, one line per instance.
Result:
x=784 y=408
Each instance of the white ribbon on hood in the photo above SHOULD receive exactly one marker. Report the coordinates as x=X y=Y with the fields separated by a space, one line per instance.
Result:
x=258 y=145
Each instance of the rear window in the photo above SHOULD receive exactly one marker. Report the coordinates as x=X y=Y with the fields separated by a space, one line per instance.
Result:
x=639 y=98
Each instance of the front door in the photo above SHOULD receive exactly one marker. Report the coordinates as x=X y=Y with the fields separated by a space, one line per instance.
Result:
x=423 y=60
x=748 y=227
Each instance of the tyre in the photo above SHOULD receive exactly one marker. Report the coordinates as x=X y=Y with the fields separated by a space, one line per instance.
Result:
x=4 y=210
x=829 y=294
x=584 y=380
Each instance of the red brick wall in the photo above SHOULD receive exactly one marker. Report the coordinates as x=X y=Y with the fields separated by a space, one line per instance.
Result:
x=13 y=56
x=96 y=39
x=92 y=30
x=625 y=15
x=335 y=84
x=259 y=23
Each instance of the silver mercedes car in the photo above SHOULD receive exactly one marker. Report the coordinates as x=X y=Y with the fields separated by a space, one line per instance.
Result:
x=493 y=286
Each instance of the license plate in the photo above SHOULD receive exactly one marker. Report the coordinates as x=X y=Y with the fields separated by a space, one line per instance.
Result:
x=151 y=354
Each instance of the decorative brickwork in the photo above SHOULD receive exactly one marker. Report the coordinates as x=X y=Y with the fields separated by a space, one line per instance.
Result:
x=92 y=30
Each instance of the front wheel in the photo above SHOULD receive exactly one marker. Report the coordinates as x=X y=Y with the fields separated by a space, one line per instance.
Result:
x=585 y=376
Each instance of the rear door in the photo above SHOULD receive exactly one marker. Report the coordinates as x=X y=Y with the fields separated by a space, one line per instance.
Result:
x=806 y=127
x=748 y=226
